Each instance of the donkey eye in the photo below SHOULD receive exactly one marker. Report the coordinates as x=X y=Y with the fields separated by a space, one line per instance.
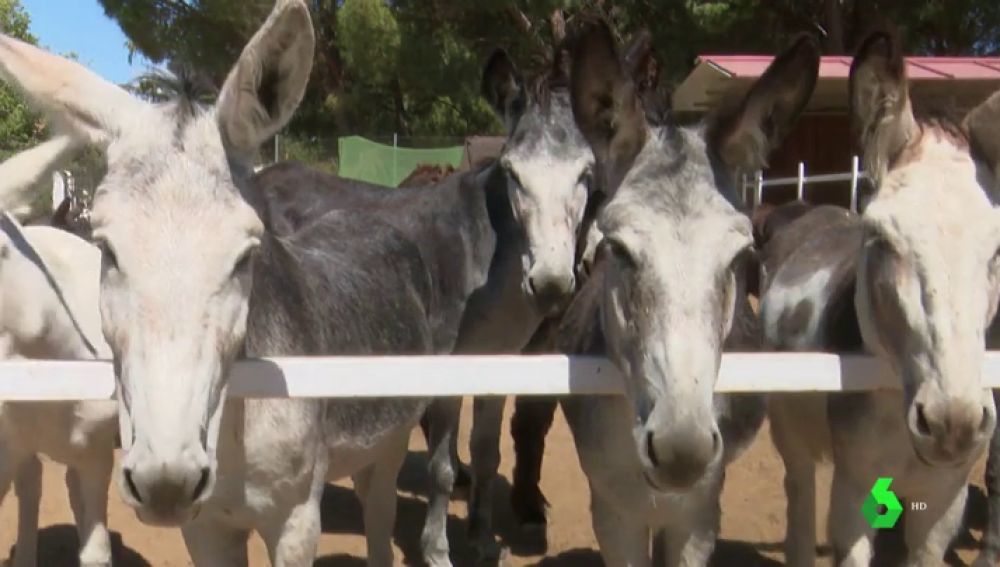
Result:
x=743 y=258
x=619 y=251
x=108 y=257
x=242 y=266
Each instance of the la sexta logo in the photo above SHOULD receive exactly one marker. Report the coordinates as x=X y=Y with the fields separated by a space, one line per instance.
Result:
x=882 y=508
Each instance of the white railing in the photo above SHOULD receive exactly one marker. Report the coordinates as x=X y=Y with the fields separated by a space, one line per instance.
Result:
x=757 y=183
x=430 y=376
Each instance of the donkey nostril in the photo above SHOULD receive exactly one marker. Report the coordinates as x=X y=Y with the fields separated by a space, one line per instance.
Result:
x=202 y=483
x=650 y=451
x=131 y=486
x=716 y=441
x=923 y=427
x=532 y=286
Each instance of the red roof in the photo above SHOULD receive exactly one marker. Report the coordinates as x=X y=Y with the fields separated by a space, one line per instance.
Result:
x=837 y=67
x=965 y=79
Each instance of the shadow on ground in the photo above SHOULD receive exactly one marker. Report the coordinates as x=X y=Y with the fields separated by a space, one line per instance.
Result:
x=59 y=545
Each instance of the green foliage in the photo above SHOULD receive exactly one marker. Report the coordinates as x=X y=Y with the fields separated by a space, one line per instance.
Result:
x=413 y=66
x=20 y=128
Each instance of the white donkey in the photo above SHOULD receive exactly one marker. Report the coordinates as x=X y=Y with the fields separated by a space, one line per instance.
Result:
x=918 y=275
x=48 y=309
x=666 y=297
x=197 y=271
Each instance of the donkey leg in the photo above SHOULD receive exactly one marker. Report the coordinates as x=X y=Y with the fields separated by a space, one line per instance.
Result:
x=213 y=544
x=7 y=469
x=376 y=487
x=487 y=422
x=530 y=424
x=28 y=485
x=929 y=533
x=851 y=536
x=90 y=483
x=690 y=541
x=989 y=556
x=462 y=476
x=291 y=538
x=442 y=418
x=800 y=485
x=622 y=539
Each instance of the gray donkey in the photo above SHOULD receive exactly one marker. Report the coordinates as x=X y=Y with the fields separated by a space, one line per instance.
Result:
x=666 y=297
x=536 y=194
x=915 y=281
x=201 y=266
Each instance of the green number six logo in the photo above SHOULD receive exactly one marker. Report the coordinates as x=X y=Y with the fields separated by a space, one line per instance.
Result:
x=882 y=496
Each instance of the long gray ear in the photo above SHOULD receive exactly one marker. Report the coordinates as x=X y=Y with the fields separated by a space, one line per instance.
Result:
x=746 y=135
x=79 y=102
x=983 y=125
x=640 y=59
x=503 y=88
x=605 y=104
x=881 y=116
x=267 y=83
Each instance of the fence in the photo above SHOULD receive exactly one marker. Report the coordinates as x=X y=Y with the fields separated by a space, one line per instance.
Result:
x=432 y=376
x=757 y=183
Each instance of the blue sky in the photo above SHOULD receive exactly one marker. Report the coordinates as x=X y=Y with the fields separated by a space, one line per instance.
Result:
x=80 y=26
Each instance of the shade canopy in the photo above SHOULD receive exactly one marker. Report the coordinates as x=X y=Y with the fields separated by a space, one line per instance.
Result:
x=957 y=81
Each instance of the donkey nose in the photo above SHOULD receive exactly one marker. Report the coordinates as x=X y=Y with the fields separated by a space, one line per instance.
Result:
x=679 y=458
x=550 y=291
x=948 y=431
x=165 y=494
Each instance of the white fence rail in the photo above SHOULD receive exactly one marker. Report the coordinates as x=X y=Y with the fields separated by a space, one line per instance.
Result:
x=420 y=376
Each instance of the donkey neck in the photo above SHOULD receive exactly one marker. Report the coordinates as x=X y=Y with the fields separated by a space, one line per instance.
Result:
x=499 y=316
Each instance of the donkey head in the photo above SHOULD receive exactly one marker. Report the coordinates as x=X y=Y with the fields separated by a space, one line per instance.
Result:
x=675 y=242
x=929 y=273
x=178 y=239
x=549 y=168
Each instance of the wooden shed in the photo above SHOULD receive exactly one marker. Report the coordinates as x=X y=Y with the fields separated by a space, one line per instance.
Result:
x=821 y=140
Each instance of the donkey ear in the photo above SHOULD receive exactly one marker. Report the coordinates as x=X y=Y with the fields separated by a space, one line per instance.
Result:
x=640 y=59
x=745 y=136
x=503 y=88
x=76 y=99
x=269 y=80
x=605 y=105
x=881 y=116
x=21 y=172
x=983 y=125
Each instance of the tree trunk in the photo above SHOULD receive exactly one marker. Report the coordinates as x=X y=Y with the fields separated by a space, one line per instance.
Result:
x=834 y=17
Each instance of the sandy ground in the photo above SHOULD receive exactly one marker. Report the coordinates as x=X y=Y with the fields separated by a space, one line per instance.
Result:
x=752 y=525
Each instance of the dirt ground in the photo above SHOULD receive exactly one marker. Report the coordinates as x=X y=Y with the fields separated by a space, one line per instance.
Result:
x=752 y=524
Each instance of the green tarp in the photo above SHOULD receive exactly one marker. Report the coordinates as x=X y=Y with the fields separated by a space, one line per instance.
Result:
x=369 y=161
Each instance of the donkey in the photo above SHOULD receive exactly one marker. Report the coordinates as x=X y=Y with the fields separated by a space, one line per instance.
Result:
x=537 y=192
x=48 y=301
x=914 y=280
x=989 y=555
x=666 y=295
x=533 y=417
x=417 y=271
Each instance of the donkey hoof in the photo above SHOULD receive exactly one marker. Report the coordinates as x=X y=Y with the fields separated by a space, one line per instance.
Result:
x=437 y=560
x=489 y=552
x=436 y=557
x=529 y=508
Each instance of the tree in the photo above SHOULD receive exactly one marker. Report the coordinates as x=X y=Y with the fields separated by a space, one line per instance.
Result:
x=20 y=128
x=413 y=66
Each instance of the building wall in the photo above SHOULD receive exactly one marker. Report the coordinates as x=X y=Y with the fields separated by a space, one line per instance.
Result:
x=823 y=142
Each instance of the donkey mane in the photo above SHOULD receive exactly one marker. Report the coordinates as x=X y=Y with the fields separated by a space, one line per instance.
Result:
x=183 y=92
